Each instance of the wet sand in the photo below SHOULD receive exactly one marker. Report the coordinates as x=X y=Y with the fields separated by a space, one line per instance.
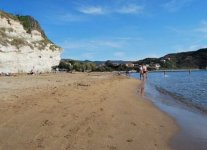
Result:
x=96 y=111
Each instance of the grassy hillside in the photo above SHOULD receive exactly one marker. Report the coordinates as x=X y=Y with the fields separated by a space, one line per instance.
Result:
x=193 y=59
x=185 y=60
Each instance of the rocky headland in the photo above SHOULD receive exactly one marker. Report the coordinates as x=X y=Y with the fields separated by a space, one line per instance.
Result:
x=24 y=47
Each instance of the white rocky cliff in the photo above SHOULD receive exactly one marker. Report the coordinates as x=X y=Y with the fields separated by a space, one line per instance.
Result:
x=24 y=47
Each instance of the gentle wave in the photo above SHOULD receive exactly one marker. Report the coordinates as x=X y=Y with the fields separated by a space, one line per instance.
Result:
x=182 y=99
x=190 y=89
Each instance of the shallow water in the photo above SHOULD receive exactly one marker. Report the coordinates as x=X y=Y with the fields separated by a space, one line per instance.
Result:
x=182 y=96
x=192 y=87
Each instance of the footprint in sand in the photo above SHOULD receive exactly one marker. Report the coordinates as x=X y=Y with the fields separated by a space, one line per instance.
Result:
x=58 y=101
x=74 y=130
x=112 y=147
x=63 y=126
x=103 y=99
x=129 y=140
x=75 y=116
x=68 y=147
x=89 y=131
x=161 y=126
x=47 y=123
x=67 y=136
x=15 y=96
x=101 y=109
x=64 y=115
x=53 y=93
x=110 y=137
x=133 y=123
x=40 y=143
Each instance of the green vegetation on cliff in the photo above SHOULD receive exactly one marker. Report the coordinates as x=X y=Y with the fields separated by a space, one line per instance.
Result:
x=29 y=24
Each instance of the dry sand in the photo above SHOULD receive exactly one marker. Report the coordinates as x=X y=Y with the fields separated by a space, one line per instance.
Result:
x=96 y=111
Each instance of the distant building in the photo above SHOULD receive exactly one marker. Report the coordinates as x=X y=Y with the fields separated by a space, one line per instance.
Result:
x=157 y=66
x=115 y=64
x=102 y=65
x=147 y=65
x=163 y=60
x=130 y=65
x=136 y=65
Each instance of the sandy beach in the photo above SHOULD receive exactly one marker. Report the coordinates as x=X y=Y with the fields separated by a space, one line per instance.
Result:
x=80 y=111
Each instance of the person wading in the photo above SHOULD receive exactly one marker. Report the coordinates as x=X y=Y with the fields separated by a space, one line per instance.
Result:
x=144 y=68
x=140 y=72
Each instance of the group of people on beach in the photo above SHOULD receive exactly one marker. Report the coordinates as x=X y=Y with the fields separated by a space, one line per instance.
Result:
x=143 y=71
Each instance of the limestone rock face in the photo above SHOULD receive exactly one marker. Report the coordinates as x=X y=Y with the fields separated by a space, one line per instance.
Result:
x=24 y=46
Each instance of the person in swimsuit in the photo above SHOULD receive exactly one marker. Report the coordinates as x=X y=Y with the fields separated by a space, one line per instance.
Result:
x=140 y=72
x=144 y=68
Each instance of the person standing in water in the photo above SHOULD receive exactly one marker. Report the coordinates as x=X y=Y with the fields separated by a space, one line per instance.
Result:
x=140 y=72
x=144 y=67
x=143 y=72
x=189 y=71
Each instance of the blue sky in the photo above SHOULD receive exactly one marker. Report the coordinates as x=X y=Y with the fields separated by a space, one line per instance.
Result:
x=118 y=29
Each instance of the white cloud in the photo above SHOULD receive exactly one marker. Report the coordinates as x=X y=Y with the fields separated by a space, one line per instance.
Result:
x=112 y=44
x=199 y=31
x=68 y=17
x=203 y=27
x=176 y=5
x=119 y=55
x=177 y=30
x=130 y=9
x=194 y=47
x=88 y=55
x=153 y=55
x=92 y=10
x=71 y=44
x=190 y=38
x=92 y=44
x=122 y=9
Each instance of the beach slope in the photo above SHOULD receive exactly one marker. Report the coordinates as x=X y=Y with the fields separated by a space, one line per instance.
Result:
x=96 y=111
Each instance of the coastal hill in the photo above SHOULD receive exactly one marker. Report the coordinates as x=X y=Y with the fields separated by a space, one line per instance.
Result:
x=184 y=60
x=24 y=46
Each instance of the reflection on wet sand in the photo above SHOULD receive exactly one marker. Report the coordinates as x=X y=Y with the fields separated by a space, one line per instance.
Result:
x=141 y=89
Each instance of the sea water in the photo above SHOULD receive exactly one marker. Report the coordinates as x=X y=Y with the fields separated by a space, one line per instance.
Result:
x=183 y=95
x=189 y=88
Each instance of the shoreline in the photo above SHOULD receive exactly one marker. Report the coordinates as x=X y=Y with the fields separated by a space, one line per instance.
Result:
x=80 y=111
x=195 y=107
x=188 y=119
x=177 y=70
